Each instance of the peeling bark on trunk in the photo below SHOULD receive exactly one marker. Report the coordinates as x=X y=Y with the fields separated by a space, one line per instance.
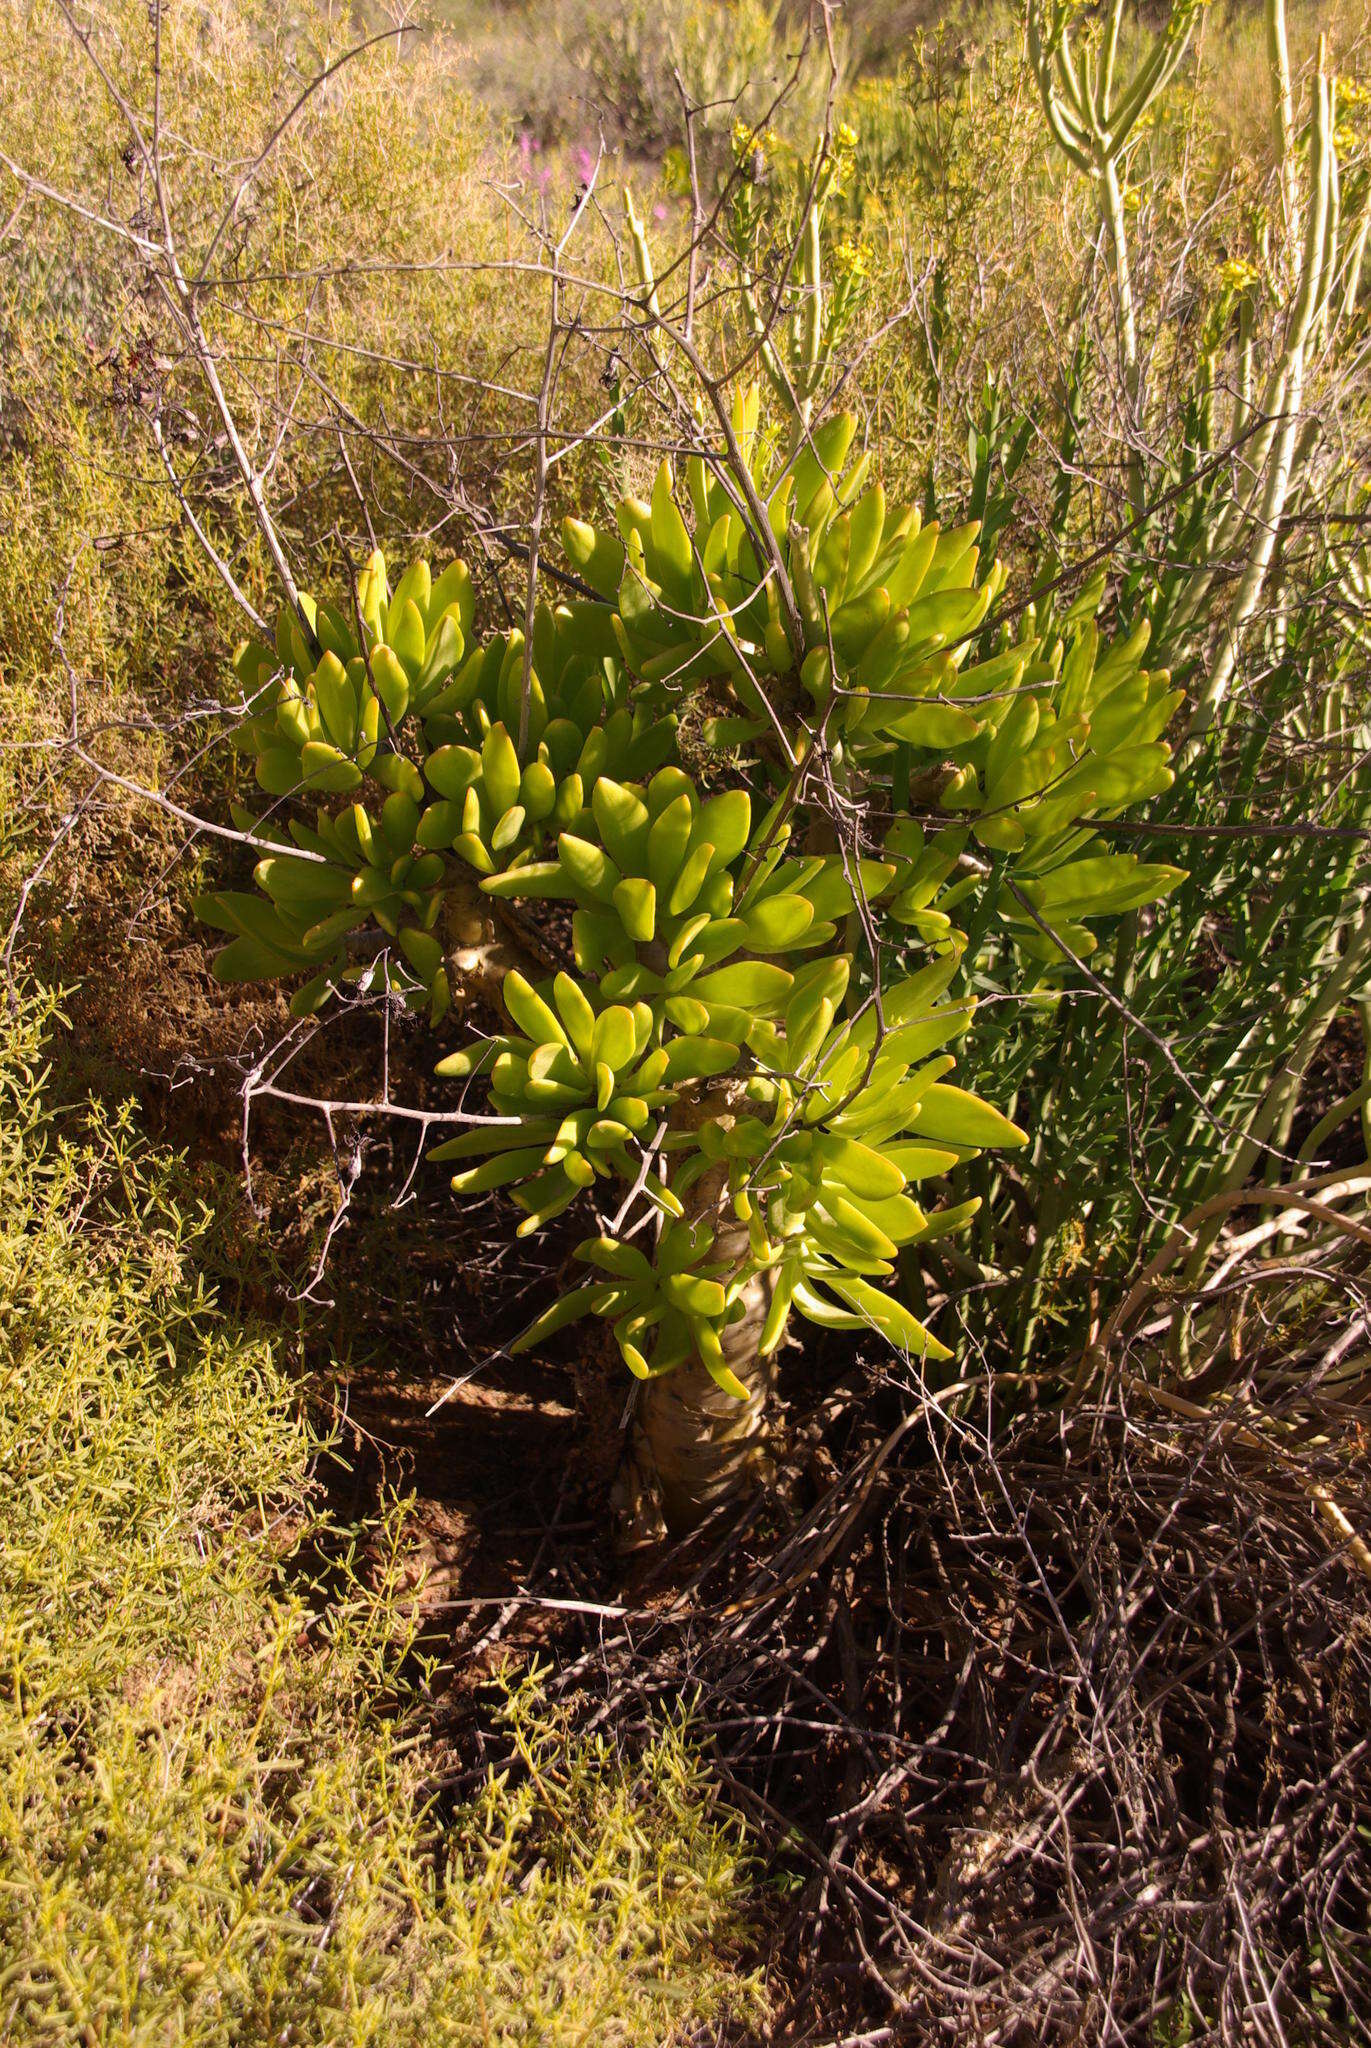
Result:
x=694 y=1447
x=482 y=940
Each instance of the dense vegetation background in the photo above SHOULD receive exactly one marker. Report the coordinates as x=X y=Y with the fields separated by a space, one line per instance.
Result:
x=1049 y=1717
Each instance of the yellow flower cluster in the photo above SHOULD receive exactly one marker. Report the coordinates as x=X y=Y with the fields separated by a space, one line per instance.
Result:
x=1353 y=98
x=844 y=153
x=1236 y=275
x=676 y=172
x=750 y=142
x=850 y=259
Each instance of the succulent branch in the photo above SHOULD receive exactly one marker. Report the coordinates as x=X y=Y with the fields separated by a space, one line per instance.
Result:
x=1093 y=117
x=1279 y=457
x=1317 y=256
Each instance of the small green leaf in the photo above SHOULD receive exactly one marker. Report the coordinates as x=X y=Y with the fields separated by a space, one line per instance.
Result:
x=622 y=818
x=538 y=791
x=589 y=868
x=724 y=822
x=712 y=1355
x=696 y=1059
x=577 y=1015
x=245 y=959
x=535 y=878
x=667 y=843
x=818 y=1309
x=615 y=1037
x=636 y=902
x=500 y=770
x=453 y=770
x=581 y=1301
x=530 y=1012
x=952 y=1116
x=498 y=1172
x=755 y=985
x=596 y=554
x=889 y=1316
x=686 y=1014
x=406 y=634
x=391 y=681
x=857 y=1166
x=673 y=563
x=337 y=701
x=625 y=1261
x=936 y=726
x=777 y=922
x=422 y=951
x=324 y=768
x=1102 y=886
x=689 y=881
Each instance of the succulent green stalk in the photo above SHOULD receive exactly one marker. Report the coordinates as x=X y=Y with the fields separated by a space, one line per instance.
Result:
x=795 y=321
x=1093 y=117
x=1324 y=266
x=1091 y=122
x=1253 y=523
x=642 y=255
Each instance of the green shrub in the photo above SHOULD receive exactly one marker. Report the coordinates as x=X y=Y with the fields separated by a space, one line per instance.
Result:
x=340 y=239
x=214 y=1820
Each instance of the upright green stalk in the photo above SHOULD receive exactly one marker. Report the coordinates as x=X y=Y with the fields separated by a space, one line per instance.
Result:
x=1092 y=123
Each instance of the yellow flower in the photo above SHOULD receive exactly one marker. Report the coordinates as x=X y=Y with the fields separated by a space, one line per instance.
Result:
x=1237 y=274
x=750 y=142
x=850 y=259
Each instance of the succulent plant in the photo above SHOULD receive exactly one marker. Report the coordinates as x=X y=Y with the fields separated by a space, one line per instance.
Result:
x=749 y=1040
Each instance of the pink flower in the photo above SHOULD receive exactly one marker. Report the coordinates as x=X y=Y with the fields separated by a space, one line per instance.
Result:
x=529 y=147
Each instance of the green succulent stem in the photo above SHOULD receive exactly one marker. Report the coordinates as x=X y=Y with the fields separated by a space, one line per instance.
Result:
x=1278 y=457
x=1091 y=123
x=1283 y=115
x=810 y=325
x=1316 y=253
x=1112 y=192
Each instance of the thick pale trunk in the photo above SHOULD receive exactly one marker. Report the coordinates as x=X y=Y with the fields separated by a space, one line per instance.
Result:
x=483 y=939
x=694 y=1447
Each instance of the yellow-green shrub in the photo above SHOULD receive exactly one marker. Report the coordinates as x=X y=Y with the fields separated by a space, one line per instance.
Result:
x=209 y=1829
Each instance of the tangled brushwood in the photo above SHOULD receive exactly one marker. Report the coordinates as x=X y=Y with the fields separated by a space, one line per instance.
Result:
x=1062 y=1720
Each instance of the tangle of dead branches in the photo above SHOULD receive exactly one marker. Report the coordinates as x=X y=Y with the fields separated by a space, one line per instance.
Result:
x=1061 y=1722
